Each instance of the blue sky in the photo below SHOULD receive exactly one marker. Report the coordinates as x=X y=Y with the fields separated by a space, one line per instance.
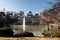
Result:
x=36 y=6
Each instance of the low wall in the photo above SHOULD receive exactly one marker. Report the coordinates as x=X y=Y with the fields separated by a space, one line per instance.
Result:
x=28 y=38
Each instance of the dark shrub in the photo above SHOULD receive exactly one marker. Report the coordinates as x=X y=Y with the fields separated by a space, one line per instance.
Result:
x=25 y=34
x=6 y=33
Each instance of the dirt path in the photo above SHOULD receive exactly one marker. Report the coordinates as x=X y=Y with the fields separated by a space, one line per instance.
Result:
x=29 y=38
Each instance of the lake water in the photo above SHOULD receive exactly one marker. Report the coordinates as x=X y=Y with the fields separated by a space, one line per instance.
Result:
x=35 y=29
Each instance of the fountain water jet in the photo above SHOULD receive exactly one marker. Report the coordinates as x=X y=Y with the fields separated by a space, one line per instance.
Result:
x=23 y=23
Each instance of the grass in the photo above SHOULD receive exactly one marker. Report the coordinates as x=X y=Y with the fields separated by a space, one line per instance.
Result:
x=28 y=38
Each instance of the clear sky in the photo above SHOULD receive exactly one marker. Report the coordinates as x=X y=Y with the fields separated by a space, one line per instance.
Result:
x=36 y=6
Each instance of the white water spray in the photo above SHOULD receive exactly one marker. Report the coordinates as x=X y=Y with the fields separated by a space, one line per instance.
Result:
x=23 y=23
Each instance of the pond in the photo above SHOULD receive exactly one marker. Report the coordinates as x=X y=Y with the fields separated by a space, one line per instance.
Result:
x=35 y=29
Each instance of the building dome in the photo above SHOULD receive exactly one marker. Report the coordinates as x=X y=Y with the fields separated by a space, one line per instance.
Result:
x=29 y=13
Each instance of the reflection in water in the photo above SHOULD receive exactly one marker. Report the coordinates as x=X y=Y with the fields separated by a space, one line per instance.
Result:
x=36 y=33
x=35 y=29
